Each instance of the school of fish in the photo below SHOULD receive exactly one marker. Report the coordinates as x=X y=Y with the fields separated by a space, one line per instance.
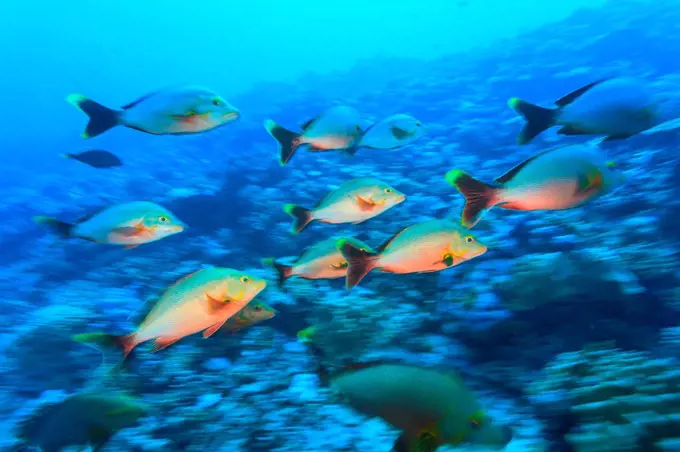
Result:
x=429 y=407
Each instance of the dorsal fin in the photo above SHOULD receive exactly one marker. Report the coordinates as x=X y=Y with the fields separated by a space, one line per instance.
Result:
x=339 y=370
x=571 y=97
x=382 y=247
x=141 y=99
x=513 y=172
x=89 y=216
x=306 y=125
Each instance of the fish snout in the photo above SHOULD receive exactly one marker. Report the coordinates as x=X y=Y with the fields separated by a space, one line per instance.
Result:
x=401 y=198
x=179 y=227
x=232 y=114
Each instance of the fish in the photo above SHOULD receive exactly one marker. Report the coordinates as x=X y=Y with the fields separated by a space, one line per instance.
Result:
x=201 y=301
x=354 y=201
x=322 y=260
x=171 y=111
x=337 y=128
x=83 y=419
x=307 y=335
x=96 y=158
x=129 y=224
x=391 y=133
x=252 y=314
x=556 y=179
x=425 y=247
x=430 y=407
x=616 y=107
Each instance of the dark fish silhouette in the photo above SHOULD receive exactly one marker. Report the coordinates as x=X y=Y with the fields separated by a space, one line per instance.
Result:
x=96 y=159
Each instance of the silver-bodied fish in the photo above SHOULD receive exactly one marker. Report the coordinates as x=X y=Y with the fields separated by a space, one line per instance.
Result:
x=201 y=301
x=83 y=419
x=354 y=201
x=391 y=133
x=430 y=246
x=617 y=108
x=322 y=260
x=556 y=179
x=129 y=224
x=171 y=111
x=430 y=407
x=336 y=129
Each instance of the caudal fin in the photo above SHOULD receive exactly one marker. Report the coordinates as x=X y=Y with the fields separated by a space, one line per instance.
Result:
x=288 y=141
x=360 y=261
x=284 y=271
x=60 y=227
x=101 y=118
x=301 y=216
x=105 y=343
x=479 y=196
x=538 y=119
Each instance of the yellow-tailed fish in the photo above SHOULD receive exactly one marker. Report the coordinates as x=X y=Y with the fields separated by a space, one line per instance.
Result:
x=252 y=314
x=335 y=129
x=556 y=179
x=322 y=260
x=425 y=247
x=129 y=224
x=391 y=133
x=617 y=108
x=430 y=407
x=172 y=111
x=91 y=418
x=354 y=201
x=201 y=301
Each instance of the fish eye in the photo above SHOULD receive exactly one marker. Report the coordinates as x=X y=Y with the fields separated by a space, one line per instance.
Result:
x=244 y=279
x=258 y=308
x=163 y=219
x=388 y=190
x=475 y=424
x=469 y=239
x=217 y=102
x=418 y=124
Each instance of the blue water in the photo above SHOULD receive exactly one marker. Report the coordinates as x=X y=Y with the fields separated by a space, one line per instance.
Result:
x=566 y=329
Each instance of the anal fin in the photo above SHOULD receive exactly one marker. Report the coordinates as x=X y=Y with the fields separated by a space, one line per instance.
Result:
x=213 y=329
x=571 y=130
x=163 y=342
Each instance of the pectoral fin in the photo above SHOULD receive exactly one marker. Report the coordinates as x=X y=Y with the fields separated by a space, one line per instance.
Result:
x=215 y=305
x=589 y=182
x=365 y=204
x=129 y=231
x=211 y=330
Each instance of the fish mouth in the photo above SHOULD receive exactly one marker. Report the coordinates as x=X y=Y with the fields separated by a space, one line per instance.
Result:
x=401 y=198
x=231 y=116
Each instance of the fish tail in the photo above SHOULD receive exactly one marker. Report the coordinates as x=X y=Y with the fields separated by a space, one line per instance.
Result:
x=66 y=155
x=538 y=119
x=106 y=342
x=301 y=215
x=359 y=261
x=284 y=271
x=479 y=196
x=101 y=118
x=288 y=141
x=60 y=227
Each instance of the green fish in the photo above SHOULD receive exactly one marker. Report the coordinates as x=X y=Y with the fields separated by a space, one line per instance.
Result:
x=172 y=111
x=617 y=108
x=129 y=225
x=354 y=201
x=201 y=301
x=322 y=260
x=250 y=315
x=425 y=247
x=335 y=129
x=84 y=419
x=556 y=179
x=431 y=408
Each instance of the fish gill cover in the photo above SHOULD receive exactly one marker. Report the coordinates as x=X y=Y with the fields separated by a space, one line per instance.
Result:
x=566 y=327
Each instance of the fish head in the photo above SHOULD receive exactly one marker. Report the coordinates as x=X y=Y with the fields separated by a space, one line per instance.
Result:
x=210 y=107
x=473 y=426
x=259 y=312
x=385 y=195
x=466 y=246
x=162 y=223
x=239 y=286
x=405 y=128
